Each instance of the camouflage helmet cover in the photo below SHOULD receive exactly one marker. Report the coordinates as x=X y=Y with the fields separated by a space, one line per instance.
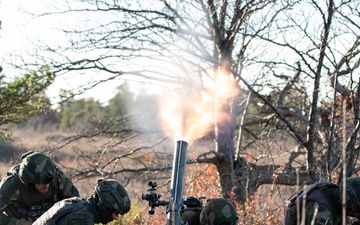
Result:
x=36 y=168
x=218 y=211
x=352 y=194
x=112 y=195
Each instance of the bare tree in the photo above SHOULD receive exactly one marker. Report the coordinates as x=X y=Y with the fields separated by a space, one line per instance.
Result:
x=323 y=58
x=299 y=59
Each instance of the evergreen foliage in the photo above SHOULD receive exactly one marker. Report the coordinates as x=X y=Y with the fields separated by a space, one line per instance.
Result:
x=24 y=97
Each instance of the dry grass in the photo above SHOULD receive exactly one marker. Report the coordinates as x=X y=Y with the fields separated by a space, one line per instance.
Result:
x=201 y=180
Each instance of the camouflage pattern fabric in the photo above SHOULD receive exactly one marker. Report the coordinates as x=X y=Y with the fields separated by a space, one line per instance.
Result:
x=36 y=168
x=322 y=206
x=74 y=211
x=19 y=200
x=353 y=196
x=109 y=196
x=319 y=214
x=66 y=188
x=82 y=216
x=218 y=211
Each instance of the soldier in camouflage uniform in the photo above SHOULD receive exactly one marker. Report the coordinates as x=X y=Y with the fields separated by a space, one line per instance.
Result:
x=108 y=201
x=217 y=211
x=323 y=204
x=32 y=187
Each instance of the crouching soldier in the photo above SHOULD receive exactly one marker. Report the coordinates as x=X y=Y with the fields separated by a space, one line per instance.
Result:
x=323 y=204
x=108 y=201
x=32 y=187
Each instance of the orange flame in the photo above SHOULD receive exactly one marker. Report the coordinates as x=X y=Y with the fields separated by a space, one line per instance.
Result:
x=191 y=115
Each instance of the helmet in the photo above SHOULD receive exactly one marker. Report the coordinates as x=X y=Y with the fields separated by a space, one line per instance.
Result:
x=352 y=195
x=218 y=211
x=36 y=168
x=112 y=195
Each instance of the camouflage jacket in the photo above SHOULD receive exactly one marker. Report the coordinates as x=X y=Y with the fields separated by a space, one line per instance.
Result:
x=322 y=206
x=71 y=211
x=18 y=200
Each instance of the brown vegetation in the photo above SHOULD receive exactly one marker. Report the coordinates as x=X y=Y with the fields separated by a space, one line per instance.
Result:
x=201 y=180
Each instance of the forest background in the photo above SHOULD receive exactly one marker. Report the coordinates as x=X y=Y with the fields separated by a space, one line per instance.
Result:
x=266 y=93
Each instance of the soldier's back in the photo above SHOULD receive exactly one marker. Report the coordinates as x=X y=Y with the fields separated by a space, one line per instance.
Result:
x=320 y=206
x=74 y=211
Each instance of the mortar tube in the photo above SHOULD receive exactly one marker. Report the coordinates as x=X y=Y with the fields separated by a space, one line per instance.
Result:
x=177 y=183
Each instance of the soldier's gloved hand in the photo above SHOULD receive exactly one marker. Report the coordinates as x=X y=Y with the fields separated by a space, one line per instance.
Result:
x=23 y=221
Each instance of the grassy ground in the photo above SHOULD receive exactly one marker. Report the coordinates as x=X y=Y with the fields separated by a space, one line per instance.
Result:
x=201 y=180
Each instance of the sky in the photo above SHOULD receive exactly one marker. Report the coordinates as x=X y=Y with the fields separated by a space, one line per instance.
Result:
x=18 y=31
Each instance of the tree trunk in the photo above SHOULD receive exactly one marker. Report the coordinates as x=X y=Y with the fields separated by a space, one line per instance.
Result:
x=224 y=142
